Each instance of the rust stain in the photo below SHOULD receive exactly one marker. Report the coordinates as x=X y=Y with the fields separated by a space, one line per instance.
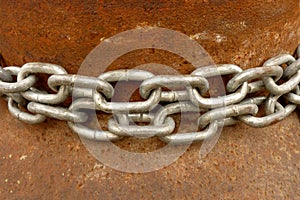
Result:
x=48 y=160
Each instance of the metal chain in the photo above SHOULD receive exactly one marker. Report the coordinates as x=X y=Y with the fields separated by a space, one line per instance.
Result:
x=240 y=103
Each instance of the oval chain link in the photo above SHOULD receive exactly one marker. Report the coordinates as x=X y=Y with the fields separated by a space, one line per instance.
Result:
x=39 y=96
x=216 y=102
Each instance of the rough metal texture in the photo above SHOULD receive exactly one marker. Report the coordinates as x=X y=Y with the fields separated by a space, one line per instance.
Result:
x=49 y=160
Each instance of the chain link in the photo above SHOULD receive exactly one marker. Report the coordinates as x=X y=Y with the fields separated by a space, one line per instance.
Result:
x=278 y=78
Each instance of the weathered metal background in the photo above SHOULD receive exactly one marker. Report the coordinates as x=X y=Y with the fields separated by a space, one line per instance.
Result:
x=48 y=160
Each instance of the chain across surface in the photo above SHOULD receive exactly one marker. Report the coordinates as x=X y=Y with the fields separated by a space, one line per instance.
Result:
x=278 y=80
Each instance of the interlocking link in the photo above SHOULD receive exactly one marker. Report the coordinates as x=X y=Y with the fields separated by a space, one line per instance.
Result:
x=173 y=108
x=215 y=102
x=13 y=89
x=17 y=87
x=183 y=138
x=226 y=112
x=292 y=69
x=78 y=81
x=259 y=122
x=251 y=74
x=187 y=138
x=36 y=95
x=293 y=96
x=169 y=81
x=18 y=98
x=280 y=59
x=85 y=131
x=276 y=114
x=57 y=112
x=141 y=131
x=270 y=106
x=287 y=86
x=131 y=107
x=24 y=116
x=278 y=79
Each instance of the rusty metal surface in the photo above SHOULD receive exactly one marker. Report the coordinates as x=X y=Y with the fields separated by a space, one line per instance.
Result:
x=48 y=160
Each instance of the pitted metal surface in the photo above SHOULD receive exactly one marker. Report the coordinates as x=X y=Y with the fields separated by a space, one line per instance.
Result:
x=47 y=161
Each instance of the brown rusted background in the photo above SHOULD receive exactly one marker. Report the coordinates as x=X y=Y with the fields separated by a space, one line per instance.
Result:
x=48 y=160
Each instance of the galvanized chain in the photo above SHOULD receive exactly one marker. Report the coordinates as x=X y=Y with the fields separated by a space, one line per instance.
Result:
x=240 y=103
